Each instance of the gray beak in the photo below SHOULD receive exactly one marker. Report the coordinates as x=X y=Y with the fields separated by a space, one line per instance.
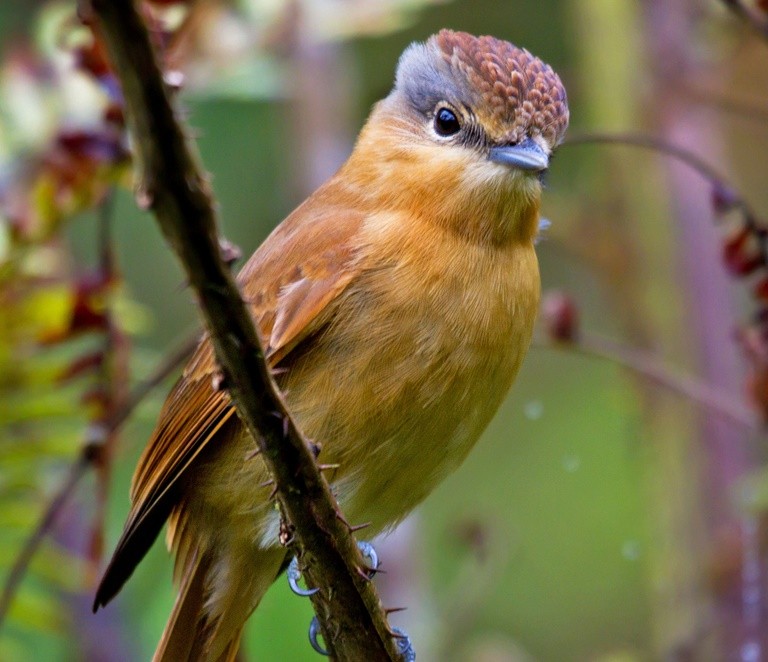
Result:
x=526 y=155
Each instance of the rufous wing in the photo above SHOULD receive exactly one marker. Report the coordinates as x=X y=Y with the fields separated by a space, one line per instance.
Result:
x=291 y=284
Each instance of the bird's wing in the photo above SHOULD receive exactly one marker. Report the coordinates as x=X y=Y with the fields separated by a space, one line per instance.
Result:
x=290 y=283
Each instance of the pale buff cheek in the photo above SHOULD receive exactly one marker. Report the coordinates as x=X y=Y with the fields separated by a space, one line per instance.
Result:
x=480 y=174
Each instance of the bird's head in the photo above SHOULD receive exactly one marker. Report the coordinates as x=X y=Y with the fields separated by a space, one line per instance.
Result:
x=467 y=132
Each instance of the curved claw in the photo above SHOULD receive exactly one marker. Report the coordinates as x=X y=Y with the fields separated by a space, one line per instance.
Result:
x=404 y=645
x=368 y=552
x=314 y=631
x=293 y=574
x=402 y=641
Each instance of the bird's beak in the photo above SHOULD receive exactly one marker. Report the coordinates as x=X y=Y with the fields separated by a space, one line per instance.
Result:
x=527 y=155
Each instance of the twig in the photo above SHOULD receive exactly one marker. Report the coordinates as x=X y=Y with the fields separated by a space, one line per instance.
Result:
x=458 y=610
x=19 y=568
x=748 y=16
x=748 y=109
x=644 y=141
x=88 y=455
x=171 y=183
x=112 y=377
x=168 y=365
x=651 y=367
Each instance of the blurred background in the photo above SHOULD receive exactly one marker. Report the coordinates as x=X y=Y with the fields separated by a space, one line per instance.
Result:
x=615 y=508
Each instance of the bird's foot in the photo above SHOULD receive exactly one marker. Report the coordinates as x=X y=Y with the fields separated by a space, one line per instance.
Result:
x=294 y=574
x=404 y=645
x=402 y=641
x=368 y=570
x=369 y=554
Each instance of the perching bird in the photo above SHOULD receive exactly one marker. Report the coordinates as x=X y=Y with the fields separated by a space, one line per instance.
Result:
x=398 y=300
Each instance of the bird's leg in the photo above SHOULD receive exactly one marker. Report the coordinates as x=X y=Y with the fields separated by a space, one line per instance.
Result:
x=402 y=641
x=404 y=645
x=314 y=632
x=367 y=571
x=369 y=553
x=294 y=574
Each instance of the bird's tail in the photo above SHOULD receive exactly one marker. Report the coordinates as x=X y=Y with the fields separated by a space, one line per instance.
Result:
x=217 y=593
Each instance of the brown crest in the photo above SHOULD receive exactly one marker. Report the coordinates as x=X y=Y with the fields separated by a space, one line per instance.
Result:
x=514 y=87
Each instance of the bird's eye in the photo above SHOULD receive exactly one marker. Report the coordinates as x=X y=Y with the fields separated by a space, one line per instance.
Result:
x=446 y=122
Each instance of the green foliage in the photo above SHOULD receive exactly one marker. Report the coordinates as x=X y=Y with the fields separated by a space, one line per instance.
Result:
x=40 y=427
x=56 y=318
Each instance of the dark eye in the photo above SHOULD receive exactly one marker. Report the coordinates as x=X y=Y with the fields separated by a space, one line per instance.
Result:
x=446 y=122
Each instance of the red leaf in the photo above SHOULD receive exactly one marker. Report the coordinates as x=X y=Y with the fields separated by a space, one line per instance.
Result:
x=93 y=59
x=95 y=146
x=757 y=388
x=761 y=289
x=741 y=253
x=82 y=365
x=561 y=317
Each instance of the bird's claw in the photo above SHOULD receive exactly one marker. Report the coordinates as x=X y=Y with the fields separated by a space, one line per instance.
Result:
x=314 y=631
x=369 y=553
x=402 y=641
x=404 y=645
x=294 y=574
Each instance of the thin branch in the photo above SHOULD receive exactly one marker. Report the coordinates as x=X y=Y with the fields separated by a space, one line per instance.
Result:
x=112 y=378
x=459 y=608
x=21 y=564
x=749 y=16
x=652 y=143
x=170 y=182
x=89 y=454
x=166 y=368
x=649 y=366
x=755 y=110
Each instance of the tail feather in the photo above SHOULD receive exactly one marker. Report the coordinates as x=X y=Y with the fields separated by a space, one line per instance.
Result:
x=180 y=636
x=232 y=649
x=218 y=591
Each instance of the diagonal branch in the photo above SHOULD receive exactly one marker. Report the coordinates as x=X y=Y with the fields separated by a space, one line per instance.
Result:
x=662 y=146
x=648 y=365
x=749 y=16
x=21 y=564
x=171 y=182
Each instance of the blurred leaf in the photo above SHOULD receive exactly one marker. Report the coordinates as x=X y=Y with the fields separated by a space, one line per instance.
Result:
x=35 y=612
x=256 y=77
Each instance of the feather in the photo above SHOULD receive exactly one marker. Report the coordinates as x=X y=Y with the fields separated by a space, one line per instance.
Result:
x=289 y=303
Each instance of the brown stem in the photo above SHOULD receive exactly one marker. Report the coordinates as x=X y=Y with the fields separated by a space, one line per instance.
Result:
x=748 y=16
x=172 y=183
x=644 y=141
x=651 y=367
x=736 y=201
x=21 y=564
x=755 y=110
x=112 y=378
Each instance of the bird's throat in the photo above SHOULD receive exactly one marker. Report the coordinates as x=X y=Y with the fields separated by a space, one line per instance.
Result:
x=471 y=198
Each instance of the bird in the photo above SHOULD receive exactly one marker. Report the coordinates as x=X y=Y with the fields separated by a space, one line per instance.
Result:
x=396 y=304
